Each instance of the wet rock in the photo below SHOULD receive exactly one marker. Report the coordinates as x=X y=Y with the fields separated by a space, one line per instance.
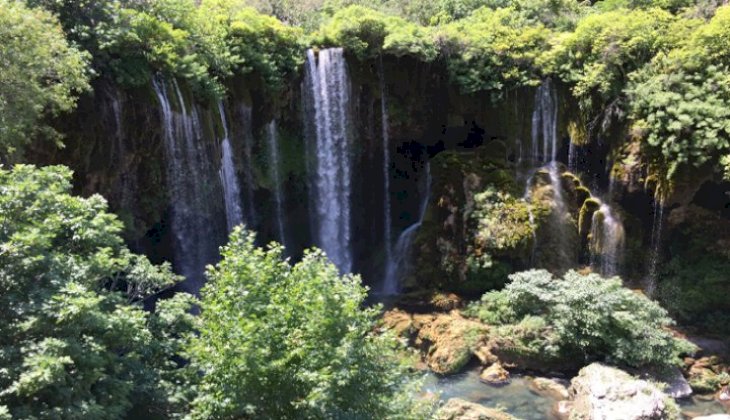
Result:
x=495 y=375
x=550 y=388
x=601 y=392
x=676 y=385
x=458 y=409
x=485 y=356
x=400 y=322
x=448 y=340
x=708 y=375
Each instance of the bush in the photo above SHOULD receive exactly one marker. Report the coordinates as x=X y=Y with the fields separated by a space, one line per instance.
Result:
x=493 y=50
x=75 y=340
x=584 y=314
x=282 y=341
x=40 y=75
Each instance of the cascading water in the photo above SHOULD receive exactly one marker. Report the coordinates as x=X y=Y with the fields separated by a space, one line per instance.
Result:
x=229 y=178
x=544 y=154
x=390 y=283
x=329 y=86
x=607 y=241
x=190 y=176
x=244 y=136
x=274 y=164
x=398 y=267
x=655 y=252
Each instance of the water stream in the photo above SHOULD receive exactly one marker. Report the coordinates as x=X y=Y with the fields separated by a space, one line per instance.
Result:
x=229 y=178
x=329 y=87
x=274 y=168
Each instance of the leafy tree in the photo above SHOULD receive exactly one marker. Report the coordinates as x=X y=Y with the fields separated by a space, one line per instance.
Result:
x=367 y=33
x=680 y=104
x=598 y=57
x=287 y=342
x=40 y=75
x=493 y=50
x=74 y=339
x=583 y=315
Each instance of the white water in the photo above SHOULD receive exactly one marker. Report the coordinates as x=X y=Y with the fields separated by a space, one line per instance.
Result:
x=329 y=87
x=191 y=184
x=399 y=266
x=246 y=122
x=607 y=242
x=655 y=252
x=390 y=283
x=229 y=178
x=274 y=164
x=544 y=154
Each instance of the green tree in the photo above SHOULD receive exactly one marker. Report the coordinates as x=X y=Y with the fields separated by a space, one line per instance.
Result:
x=41 y=75
x=74 y=339
x=282 y=341
x=582 y=315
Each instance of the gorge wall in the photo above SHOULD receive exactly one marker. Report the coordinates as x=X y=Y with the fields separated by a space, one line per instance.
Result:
x=396 y=175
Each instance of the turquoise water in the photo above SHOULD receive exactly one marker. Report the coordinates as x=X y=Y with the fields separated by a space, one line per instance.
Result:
x=517 y=398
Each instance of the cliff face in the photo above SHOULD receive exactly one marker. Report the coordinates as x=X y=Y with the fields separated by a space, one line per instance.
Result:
x=115 y=143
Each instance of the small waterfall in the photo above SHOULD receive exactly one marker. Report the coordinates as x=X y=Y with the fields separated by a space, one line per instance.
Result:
x=387 y=221
x=544 y=154
x=274 y=164
x=655 y=252
x=398 y=267
x=329 y=87
x=607 y=242
x=229 y=179
x=192 y=185
x=244 y=118
x=572 y=158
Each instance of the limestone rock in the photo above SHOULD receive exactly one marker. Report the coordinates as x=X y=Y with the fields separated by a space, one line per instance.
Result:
x=400 y=322
x=676 y=385
x=495 y=375
x=601 y=392
x=550 y=388
x=458 y=409
x=448 y=340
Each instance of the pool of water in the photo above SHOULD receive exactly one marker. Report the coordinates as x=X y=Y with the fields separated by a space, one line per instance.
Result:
x=518 y=399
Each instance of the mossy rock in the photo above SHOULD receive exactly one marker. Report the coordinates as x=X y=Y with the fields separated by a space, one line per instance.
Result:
x=582 y=194
x=585 y=217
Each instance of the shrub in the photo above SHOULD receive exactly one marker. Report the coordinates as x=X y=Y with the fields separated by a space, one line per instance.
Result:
x=283 y=341
x=585 y=314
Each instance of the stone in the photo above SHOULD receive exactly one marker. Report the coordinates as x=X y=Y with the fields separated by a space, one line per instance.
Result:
x=713 y=417
x=707 y=375
x=550 y=388
x=400 y=322
x=448 y=340
x=458 y=409
x=676 y=385
x=485 y=356
x=602 y=392
x=495 y=375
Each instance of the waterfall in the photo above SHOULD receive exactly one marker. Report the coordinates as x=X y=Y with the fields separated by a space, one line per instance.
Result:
x=544 y=154
x=191 y=183
x=329 y=87
x=607 y=241
x=249 y=185
x=655 y=251
x=398 y=267
x=389 y=287
x=274 y=164
x=572 y=158
x=229 y=179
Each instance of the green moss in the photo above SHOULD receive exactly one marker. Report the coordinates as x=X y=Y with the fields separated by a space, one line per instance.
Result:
x=585 y=216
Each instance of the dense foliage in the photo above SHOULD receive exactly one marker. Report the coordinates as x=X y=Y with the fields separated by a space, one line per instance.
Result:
x=74 y=339
x=582 y=315
x=41 y=75
x=283 y=341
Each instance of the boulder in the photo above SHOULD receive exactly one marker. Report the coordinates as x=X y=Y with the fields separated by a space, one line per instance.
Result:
x=448 y=340
x=458 y=409
x=400 y=322
x=676 y=386
x=495 y=375
x=708 y=375
x=550 y=388
x=602 y=392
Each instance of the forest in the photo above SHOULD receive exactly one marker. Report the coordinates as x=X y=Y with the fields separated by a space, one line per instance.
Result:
x=347 y=209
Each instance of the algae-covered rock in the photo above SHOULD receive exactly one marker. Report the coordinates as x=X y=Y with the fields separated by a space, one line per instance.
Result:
x=495 y=374
x=458 y=409
x=448 y=340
